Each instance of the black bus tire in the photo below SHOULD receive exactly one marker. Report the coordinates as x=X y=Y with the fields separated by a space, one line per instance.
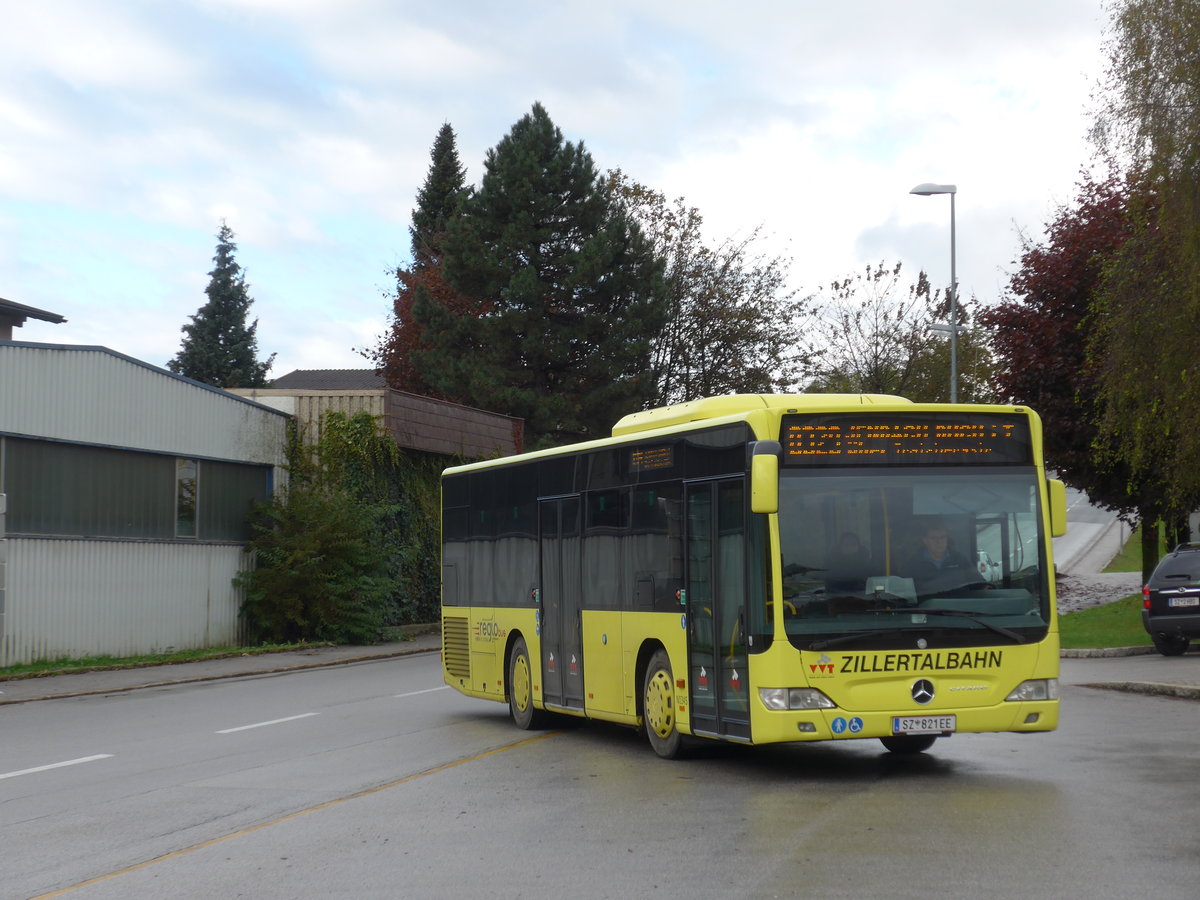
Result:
x=908 y=744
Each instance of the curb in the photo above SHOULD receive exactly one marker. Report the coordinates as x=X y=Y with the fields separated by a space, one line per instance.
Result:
x=1105 y=652
x=276 y=670
x=1150 y=688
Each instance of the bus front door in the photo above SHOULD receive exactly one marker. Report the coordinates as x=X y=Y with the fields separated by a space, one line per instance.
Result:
x=716 y=607
x=562 y=645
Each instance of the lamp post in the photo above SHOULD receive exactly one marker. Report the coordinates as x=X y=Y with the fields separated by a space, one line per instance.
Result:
x=928 y=190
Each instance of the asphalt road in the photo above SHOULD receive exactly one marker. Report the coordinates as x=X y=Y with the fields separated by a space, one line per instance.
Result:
x=372 y=780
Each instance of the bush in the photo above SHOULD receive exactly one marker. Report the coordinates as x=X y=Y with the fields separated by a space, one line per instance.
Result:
x=352 y=545
x=321 y=574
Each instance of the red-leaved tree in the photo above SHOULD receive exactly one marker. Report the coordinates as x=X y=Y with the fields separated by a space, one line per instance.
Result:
x=1040 y=335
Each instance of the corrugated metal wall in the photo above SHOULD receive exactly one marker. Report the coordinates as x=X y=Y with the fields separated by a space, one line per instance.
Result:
x=95 y=396
x=311 y=407
x=124 y=598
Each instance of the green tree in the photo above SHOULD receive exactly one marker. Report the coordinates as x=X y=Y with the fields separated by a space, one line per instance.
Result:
x=732 y=323
x=1043 y=334
x=873 y=335
x=219 y=348
x=437 y=204
x=438 y=198
x=1147 y=307
x=565 y=293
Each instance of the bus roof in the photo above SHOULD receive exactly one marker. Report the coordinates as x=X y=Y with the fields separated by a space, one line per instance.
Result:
x=728 y=408
x=732 y=404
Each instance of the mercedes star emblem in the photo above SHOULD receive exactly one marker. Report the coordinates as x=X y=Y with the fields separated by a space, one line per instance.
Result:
x=922 y=691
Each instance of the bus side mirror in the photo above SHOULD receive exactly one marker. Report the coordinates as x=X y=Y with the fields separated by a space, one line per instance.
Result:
x=1058 y=507
x=764 y=477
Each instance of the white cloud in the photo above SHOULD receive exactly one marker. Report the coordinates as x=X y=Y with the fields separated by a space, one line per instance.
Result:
x=130 y=128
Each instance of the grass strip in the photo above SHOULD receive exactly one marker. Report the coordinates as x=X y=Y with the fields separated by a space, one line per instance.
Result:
x=67 y=665
x=1117 y=624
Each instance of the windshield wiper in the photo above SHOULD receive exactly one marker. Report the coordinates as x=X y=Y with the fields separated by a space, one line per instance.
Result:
x=975 y=617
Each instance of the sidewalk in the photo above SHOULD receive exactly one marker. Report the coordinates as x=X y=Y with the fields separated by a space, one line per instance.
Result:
x=1138 y=670
x=53 y=687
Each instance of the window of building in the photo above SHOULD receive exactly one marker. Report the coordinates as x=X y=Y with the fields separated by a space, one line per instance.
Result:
x=74 y=490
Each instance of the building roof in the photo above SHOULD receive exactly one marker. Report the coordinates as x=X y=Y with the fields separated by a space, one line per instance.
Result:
x=331 y=380
x=23 y=312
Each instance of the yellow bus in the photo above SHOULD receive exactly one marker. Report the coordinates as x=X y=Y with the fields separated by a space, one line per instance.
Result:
x=761 y=569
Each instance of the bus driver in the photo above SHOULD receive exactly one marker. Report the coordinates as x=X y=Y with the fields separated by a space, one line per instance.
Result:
x=938 y=566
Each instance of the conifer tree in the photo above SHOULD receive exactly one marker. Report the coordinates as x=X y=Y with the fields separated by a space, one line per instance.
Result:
x=437 y=202
x=438 y=198
x=218 y=347
x=566 y=293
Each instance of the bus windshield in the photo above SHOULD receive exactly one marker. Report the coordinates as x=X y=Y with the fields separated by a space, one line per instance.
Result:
x=912 y=557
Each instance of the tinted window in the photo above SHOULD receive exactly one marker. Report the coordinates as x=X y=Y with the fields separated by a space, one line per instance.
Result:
x=77 y=490
x=1178 y=567
x=720 y=451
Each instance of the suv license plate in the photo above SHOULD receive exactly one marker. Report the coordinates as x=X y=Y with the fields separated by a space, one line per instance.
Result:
x=1183 y=601
x=923 y=724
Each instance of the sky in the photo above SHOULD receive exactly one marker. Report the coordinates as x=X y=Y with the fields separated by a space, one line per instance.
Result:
x=129 y=129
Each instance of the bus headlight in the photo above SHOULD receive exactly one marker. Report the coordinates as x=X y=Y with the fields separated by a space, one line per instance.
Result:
x=794 y=698
x=1037 y=689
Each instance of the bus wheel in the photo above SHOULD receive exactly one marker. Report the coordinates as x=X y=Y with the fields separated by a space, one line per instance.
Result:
x=907 y=744
x=520 y=687
x=658 y=707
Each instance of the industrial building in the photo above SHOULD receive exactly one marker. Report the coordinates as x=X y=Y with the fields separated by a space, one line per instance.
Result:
x=124 y=491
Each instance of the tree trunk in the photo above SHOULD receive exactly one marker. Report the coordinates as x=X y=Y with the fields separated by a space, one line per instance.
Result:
x=1150 y=544
x=1179 y=532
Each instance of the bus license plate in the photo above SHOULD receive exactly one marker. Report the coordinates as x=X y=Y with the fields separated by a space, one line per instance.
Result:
x=923 y=724
x=1184 y=601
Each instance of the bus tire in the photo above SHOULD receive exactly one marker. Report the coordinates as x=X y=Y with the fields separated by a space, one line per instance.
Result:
x=658 y=707
x=520 y=687
x=909 y=744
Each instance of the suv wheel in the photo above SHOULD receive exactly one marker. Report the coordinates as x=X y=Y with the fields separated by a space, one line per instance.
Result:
x=1170 y=644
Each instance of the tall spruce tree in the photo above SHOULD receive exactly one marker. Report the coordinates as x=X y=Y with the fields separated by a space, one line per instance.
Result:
x=566 y=293
x=438 y=198
x=219 y=348
x=437 y=203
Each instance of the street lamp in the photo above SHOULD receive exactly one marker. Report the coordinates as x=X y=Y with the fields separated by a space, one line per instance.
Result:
x=928 y=190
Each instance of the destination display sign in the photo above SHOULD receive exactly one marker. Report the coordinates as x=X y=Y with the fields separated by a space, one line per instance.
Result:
x=915 y=439
x=645 y=459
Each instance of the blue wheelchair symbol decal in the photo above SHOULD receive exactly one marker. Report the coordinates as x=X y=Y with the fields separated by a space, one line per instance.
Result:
x=841 y=726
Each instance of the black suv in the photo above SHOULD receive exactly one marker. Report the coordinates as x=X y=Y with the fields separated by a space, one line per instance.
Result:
x=1171 y=600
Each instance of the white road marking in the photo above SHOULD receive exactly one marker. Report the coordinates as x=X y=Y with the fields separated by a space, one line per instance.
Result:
x=444 y=687
x=59 y=765
x=264 y=724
